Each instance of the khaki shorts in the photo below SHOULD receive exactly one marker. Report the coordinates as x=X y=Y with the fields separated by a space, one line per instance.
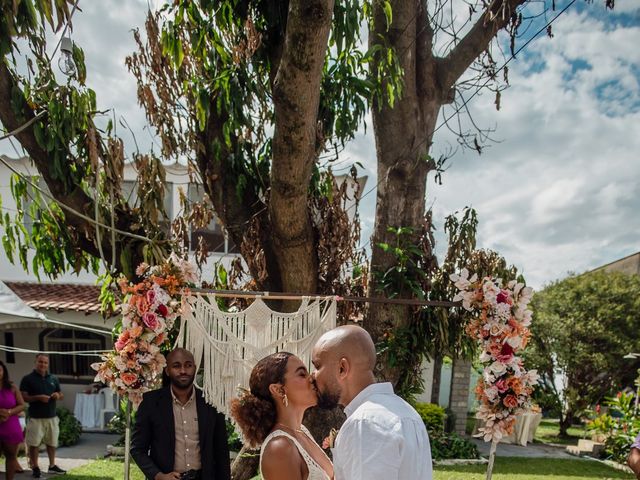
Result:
x=42 y=430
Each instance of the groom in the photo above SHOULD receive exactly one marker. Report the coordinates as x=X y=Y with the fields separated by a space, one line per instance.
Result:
x=383 y=437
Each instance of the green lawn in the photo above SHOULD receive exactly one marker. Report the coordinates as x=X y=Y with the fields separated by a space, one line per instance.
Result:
x=549 y=428
x=102 y=470
x=505 y=469
x=516 y=468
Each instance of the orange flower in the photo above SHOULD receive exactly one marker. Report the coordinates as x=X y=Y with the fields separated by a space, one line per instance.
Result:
x=142 y=305
x=515 y=384
x=510 y=401
x=135 y=332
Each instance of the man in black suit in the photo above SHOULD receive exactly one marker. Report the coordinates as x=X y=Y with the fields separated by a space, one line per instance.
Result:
x=176 y=434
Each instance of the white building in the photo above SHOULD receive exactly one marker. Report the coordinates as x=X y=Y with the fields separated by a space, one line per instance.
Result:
x=73 y=299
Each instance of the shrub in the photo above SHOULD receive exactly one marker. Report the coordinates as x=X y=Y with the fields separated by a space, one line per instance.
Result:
x=451 y=445
x=433 y=416
x=70 y=427
x=233 y=439
x=620 y=425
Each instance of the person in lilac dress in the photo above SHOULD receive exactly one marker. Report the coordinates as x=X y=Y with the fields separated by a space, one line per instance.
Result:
x=11 y=436
x=634 y=457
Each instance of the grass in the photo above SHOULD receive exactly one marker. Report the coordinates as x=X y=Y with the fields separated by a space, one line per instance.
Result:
x=549 y=429
x=514 y=468
x=102 y=470
x=517 y=468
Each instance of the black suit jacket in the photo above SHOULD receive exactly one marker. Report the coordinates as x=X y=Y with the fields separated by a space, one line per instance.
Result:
x=154 y=437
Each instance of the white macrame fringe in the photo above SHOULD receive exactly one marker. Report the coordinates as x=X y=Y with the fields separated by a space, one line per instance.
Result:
x=228 y=344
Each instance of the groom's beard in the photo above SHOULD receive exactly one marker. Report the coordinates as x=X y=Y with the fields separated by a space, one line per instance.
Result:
x=328 y=400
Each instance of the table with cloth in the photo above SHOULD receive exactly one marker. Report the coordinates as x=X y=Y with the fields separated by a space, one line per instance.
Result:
x=87 y=409
x=523 y=430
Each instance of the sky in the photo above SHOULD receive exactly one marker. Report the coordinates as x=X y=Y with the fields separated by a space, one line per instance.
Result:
x=557 y=192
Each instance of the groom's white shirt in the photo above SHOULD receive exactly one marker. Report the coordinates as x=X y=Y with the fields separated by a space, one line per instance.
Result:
x=383 y=438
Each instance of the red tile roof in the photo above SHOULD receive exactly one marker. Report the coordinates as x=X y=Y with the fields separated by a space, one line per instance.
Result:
x=58 y=296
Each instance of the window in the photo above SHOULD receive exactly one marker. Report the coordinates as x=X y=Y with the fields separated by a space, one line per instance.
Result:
x=10 y=357
x=68 y=340
x=213 y=235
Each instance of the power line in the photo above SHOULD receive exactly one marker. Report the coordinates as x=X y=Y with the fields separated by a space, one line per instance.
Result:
x=513 y=56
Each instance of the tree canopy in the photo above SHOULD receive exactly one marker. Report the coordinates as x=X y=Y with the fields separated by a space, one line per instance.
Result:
x=257 y=97
x=582 y=328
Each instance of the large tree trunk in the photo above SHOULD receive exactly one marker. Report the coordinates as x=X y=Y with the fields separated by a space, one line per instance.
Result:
x=403 y=136
x=296 y=97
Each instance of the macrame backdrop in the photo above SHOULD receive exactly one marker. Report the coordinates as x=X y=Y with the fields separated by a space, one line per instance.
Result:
x=228 y=344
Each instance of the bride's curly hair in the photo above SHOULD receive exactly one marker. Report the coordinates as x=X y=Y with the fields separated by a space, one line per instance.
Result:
x=255 y=410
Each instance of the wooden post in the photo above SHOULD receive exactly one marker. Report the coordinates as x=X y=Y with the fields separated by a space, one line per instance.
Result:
x=127 y=440
x=492 y=457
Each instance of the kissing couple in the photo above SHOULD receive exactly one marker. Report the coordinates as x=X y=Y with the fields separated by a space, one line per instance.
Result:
x=383 y=437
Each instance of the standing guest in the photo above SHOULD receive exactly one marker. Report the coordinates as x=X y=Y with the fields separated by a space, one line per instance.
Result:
x=11 y=403
x=176 y=434
x=383 y=437
x=41 y=391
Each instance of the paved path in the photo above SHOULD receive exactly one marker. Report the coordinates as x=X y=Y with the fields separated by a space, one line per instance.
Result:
x=532 y=450
x=90 y=447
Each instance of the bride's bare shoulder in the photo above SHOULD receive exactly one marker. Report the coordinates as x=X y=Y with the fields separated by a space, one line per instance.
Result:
x=281 y=459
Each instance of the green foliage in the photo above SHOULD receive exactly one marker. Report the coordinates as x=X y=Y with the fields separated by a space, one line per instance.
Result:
x=620 y=427
x=433 y=416
x=70 y=427
x=406 y=275
x=582 y=327
x=49 y=240
x=233 y=439
x=451 y=445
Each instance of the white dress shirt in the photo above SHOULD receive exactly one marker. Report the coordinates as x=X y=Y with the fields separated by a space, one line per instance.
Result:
x=383 y=438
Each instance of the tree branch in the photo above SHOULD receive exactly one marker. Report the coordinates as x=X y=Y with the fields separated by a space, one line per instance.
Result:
x=496 y=17
x=234 y=212
x=76 y=200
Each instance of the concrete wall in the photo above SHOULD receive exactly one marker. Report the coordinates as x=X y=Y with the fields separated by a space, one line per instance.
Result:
x=629 y=265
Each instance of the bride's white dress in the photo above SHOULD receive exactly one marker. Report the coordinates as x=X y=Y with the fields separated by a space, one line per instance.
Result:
x=316 y=472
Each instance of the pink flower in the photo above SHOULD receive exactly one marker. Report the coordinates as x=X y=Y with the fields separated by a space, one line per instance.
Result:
x=501 y=385
x=162 y=310
x=150 y=320
x=506 y=353
x=129 y=378
x=151 y=297
x=502 y=297
x=122 y=340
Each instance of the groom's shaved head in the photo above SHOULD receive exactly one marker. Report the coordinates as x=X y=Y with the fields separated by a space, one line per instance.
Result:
x=351 y=342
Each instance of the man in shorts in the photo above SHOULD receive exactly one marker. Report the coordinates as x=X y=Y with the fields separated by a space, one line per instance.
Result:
x=41 y=390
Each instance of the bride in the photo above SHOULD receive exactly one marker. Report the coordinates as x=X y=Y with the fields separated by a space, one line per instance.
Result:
x=270 y=414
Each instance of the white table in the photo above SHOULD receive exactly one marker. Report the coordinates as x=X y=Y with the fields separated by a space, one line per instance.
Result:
x=523 y=430
x=87 y=409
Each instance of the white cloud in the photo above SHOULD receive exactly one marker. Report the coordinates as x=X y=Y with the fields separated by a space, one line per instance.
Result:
x=557 y=193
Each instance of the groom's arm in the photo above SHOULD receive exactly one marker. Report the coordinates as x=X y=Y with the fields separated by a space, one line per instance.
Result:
x=365 y=451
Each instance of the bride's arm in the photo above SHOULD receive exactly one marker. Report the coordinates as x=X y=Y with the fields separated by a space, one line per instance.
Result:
x=281 y=461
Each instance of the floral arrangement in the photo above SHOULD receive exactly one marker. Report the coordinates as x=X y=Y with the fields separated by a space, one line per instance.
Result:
x=500 y=320
x=149 y=311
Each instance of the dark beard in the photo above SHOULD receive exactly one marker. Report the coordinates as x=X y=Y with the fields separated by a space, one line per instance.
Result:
x=328 y=401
